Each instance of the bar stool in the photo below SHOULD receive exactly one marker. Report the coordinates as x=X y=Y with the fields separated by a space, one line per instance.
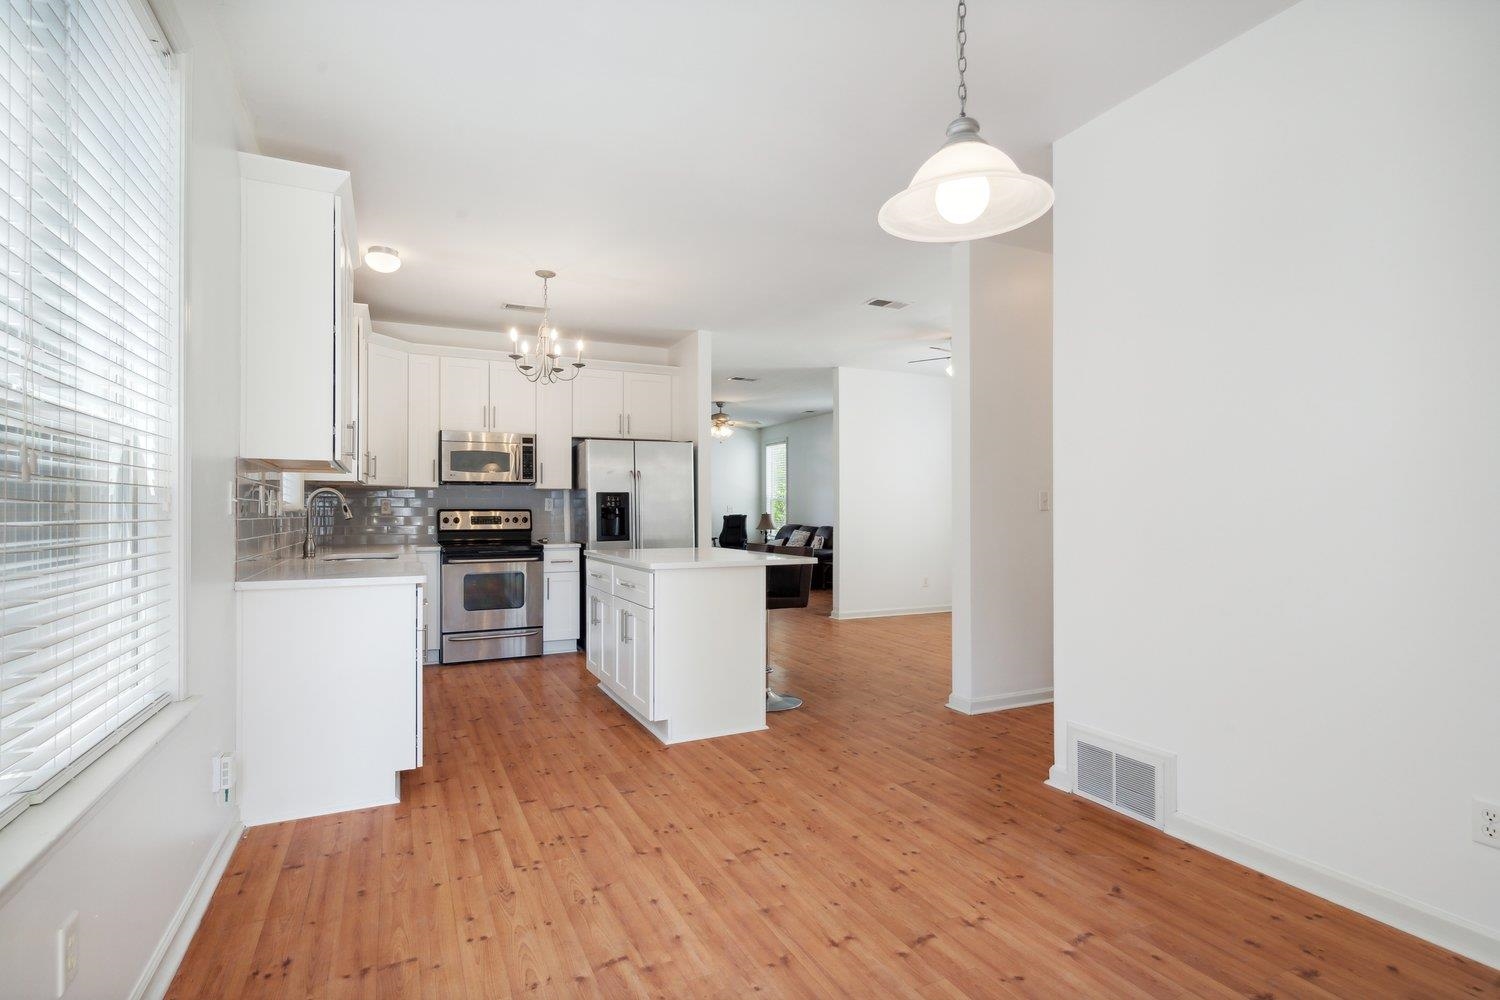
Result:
x=786 y=587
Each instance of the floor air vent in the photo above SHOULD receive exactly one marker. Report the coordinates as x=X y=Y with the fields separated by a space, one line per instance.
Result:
x=1125 y=776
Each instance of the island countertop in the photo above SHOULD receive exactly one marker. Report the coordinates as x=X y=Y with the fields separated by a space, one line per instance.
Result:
x=649 y=560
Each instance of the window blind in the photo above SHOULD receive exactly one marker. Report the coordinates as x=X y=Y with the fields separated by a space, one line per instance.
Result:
x=776 y=482
x=88 y=387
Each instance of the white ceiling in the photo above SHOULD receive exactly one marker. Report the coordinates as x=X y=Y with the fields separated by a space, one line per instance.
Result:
x=684 y=165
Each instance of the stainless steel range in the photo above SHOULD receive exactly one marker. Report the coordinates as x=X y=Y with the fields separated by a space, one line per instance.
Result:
x=491 y=585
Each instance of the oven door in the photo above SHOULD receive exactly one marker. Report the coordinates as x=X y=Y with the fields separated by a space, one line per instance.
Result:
x=484 y=458
x=484 y=595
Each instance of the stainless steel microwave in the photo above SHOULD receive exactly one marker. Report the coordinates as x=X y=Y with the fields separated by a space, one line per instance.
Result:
x=487 y=457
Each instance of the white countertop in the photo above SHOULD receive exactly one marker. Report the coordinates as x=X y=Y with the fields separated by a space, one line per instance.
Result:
x=325 y=572
x=560 y=545
x=655 y=559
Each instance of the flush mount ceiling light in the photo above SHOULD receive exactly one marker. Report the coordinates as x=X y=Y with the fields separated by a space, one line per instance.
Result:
x=968 y=189
x=543 y=364
x=382 y=259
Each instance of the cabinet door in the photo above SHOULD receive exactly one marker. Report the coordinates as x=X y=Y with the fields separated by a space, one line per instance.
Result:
x=634 y=663
x=512 y=400
x=351 y=327
x=431 y=613
x=648 y=406
x=598 y=404
x=554 y=437
x=601 y=636
x=560 y=607
x=289 y=344
x=385 y=425
x=465 y=394
x=422 y=420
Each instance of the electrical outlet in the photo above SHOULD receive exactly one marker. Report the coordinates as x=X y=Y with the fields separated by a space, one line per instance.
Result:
x=546 y=503
x=1044 y=500
x=67 y=953
x=385 y=505
x=925 y=583
x=1486 y=823
x=223 y=775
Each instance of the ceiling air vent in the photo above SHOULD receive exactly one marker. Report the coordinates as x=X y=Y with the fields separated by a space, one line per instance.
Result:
x=1126 y=777
x=517 y=307
x=742 y=378
x=886 y=303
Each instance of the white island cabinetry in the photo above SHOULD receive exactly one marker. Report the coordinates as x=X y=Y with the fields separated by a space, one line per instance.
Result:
x=677 y=637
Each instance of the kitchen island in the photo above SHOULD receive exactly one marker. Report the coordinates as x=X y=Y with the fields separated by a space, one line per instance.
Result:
x=677 y=637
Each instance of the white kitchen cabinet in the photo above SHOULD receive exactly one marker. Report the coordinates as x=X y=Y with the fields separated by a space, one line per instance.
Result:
x=596 y=622
x=329 y=715
x=599 y=404
x=422 y=423
x=634 y=663
x=616 y=404
x=554 y=437
x=297 y=242
x=513 y=399
x=648 y=405
x=464 y=401
x=561 y=592
x=385 y=417
x=432 y=612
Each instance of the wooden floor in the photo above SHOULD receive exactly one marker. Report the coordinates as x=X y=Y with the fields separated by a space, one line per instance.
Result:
x=872 y=844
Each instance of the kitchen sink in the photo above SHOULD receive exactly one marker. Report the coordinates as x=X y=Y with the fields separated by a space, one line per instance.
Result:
x=360 y=555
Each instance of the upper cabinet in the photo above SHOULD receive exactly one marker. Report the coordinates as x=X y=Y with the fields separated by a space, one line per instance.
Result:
x=464 y=401
x=386 y=425
x=616 y=404
x=554 y=436
x=512 y=399
x=423 y=425
x=299 y=378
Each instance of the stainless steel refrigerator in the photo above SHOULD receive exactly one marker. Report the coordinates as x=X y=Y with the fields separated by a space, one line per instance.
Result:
x=636 y=494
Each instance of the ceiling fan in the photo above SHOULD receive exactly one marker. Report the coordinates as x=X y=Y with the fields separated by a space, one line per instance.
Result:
x=724 y=425
x=947 y=356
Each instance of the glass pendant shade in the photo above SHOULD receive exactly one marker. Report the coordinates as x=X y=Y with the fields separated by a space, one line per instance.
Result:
x=967 y=190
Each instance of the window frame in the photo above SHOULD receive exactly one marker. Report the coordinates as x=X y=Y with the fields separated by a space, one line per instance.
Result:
x=786 y=479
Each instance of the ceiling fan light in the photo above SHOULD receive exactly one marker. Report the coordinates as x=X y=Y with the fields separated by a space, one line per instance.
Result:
x=382 y=260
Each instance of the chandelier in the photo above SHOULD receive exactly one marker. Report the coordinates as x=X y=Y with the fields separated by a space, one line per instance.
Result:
x=544 y=362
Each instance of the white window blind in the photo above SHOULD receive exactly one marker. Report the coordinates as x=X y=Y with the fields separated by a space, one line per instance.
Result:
x=776 y=482
x=88 y=387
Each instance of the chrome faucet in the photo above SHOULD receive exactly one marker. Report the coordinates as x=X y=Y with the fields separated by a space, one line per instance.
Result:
x=309 y=545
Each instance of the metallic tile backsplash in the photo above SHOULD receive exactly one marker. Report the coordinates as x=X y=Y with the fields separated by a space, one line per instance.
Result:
x=264 y=534
x=413 y=512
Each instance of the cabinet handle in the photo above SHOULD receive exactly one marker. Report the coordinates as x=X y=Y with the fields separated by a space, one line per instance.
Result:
x=495 y=417
x=627 y=425
x=620 y=424
x=434 y=472
x=373 y=459
x=549 y=588
x=543 y=476
x=484 y=416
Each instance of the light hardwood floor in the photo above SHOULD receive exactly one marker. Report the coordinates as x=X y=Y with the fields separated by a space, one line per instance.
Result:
x=873 y=843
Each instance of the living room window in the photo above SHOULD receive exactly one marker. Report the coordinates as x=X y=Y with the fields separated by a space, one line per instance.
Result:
x=776 y=482
x=88 y=387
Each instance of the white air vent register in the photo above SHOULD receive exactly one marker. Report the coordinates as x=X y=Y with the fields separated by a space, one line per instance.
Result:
x=1127 y=777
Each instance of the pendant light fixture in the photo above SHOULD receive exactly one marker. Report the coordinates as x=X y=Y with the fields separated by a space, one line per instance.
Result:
x=543 y=363
x=968 y=189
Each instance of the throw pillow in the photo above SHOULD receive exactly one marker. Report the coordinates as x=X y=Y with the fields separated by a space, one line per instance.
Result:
x=817 y=541
x=799 y=538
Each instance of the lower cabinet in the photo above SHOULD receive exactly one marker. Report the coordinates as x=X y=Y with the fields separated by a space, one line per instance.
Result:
x=621 y=640
x=560 y=612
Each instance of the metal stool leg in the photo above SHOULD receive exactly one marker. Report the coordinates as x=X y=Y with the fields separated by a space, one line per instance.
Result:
x=776 y=702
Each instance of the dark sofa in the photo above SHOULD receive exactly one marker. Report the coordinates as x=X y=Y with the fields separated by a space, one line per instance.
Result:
x=821 y=543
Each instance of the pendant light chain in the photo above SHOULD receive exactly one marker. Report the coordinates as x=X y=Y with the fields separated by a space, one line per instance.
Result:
x=963 y=60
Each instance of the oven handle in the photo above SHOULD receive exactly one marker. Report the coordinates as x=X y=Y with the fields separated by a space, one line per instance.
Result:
x=496 y=562
x=492 y=635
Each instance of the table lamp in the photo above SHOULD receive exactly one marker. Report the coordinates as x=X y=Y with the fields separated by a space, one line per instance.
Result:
x=765 y=527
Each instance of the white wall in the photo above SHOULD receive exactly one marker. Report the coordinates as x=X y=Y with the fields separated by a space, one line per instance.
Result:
x=693 y=419
x=894 y=511
x=1278 y=478
x=1002 y=461
x=736 y=478
x=130 y=864
x=810 y=470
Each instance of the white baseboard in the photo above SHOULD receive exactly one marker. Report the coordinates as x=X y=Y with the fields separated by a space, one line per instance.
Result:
x=1447 y=930
x=842 y=616
x=999 y=702
x=157 y=975
x=1060 y=778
